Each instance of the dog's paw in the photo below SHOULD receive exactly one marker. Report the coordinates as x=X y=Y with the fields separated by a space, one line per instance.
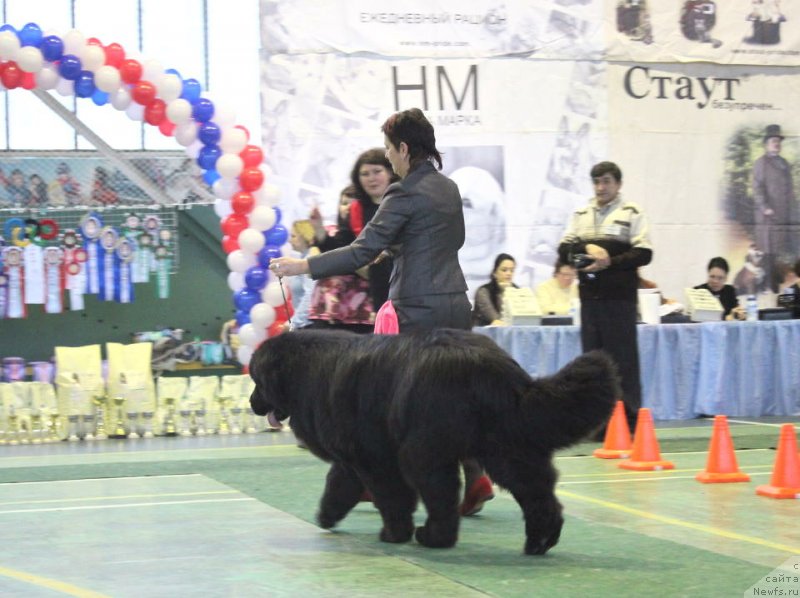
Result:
x=539 y=546
x=326 y=521
x=396 y=534
x=426 y=537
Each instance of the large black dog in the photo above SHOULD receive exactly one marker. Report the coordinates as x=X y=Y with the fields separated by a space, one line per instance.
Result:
x=397 y=413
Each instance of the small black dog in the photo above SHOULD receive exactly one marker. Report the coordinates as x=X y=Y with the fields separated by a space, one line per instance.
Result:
x=397 y=413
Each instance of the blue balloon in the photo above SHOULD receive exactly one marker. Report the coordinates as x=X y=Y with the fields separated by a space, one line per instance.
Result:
x=209 y=133
x=173 y=72
x=278 y=215
x=267 y=253
x=211 y=177
x=242 y=317
x=100 y=98
x=69 y=67
x=52 y=48
x=245 y=299
x=191 y=90
x=8 y=27
x=277 y=235
x=256 y=278
x=208 y=156
x=30 y=35
x=84 y=85
x=203 y=110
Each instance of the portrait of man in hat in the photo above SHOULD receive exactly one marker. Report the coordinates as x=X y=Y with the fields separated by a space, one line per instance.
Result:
x=773 y=202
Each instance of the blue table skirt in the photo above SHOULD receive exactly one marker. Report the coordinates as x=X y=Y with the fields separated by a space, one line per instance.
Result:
x=731 y=368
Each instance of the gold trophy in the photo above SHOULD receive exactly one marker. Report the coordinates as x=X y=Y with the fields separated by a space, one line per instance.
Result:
x=13 y=427
x=99 y=402
x=119 y=428
x=37 y=429
x=224 y=424
x=53 y=425
x=236 y=413
x=169 y=420
x=199 y=418
x=147 y=424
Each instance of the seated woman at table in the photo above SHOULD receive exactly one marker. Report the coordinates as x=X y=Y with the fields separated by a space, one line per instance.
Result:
x=717 y=277
x=555 y=295
x=789 y=278
x=489 y=297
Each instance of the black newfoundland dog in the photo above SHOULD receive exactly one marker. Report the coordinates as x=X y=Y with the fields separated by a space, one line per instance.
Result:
x=397 y=413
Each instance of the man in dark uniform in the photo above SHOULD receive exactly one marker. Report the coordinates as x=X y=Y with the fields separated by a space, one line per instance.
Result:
x=615 y=234
x=774 y=203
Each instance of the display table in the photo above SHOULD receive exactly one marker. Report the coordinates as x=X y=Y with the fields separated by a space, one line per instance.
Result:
x=731 y=368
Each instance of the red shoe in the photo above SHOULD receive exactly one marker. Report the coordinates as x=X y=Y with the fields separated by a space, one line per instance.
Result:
x=479 y=493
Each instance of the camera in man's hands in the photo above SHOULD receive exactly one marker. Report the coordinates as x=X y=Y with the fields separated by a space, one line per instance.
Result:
x=582 y=260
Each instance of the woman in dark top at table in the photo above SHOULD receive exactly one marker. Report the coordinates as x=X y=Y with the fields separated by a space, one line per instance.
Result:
x=717 y=277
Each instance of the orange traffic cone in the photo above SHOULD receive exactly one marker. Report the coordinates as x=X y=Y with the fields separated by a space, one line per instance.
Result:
x=617 y=442
x=646 y=455
x=721 y=465
x=785 y=482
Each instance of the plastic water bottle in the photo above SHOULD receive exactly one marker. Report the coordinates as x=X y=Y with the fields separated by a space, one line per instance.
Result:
x=752 y=308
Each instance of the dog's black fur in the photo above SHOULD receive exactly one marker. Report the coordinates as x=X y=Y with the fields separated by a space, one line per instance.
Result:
x=397 y=413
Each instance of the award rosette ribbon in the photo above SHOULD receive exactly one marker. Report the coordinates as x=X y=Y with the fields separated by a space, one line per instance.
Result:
x=126 y=254
x=163 y=261
x=74 y=259
x=109 y=239
x=91 y=226
x=54 y=279
x=31 y=244
x=132 y=229
x=14 y=272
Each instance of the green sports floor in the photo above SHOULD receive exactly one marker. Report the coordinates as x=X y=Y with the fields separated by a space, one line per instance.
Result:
x=234 y=516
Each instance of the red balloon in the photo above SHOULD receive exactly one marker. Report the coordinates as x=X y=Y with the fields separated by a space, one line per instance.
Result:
x=115 y=54
x=156 y=112
x=251 y=155
x=275 y=329
x=93 y=41
x=233 y=224
x=251 y=178
x=242 y=203
x=130 y=70
x=281 y=314
x=144 y=93
x=167 y=127
x=11 y=75
x=28 y=81
x=246 y=132
x=230 y=244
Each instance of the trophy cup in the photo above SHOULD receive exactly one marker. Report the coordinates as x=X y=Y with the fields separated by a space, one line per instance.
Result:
x=133 y=419
x=224 y=424
x=24 y=430
x=199 y=416
x=147 y=424
x=169 y=421
x=53 y=425
x=236 y=414
x=250 y=418
x=87 y=424
x=2 y=432
x=119 y=427
x=13 y=429
x=73 y=428
x=100 y=417
x=186 y=422
x=37 y=429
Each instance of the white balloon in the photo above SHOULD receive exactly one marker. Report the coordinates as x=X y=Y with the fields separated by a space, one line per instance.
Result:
x=251 y=335
x=224 y=188
x=268 y=195
x=30 y=59
x=272 y=294
x=92 y=57
x=243 y=354
x=169 y=87
x=47 y=78
x=107 y=79
x=235 y=281
x=74 y=42
x=152 y=70
x=224 y=116
x=135 y=111
x=262 y=218
x=262 y=315
x=9 y=45
x=121 y=98
x=179 y=111
x=229 y=166
x=193 y=149
x=251 y=240
x=186 y=134
x=65 y=87
x=239 y=261
x=222 y=207
x=233 y=140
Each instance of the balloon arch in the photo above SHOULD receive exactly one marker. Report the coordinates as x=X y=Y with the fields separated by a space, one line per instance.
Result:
x=250 y=219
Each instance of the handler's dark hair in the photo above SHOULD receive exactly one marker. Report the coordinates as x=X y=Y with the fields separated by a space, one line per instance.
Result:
x=412 y=128
x=718 y=262
x=602 y=168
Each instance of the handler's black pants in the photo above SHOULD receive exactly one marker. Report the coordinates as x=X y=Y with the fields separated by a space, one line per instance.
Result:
x=610 y=324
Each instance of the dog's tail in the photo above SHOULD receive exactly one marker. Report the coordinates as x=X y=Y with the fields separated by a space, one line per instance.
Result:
x=566 y=407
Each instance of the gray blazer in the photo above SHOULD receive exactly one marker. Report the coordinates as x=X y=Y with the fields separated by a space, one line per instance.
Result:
x=422 y=221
